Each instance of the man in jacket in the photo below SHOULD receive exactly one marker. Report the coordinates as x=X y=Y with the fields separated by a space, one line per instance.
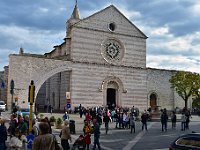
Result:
x=96 y=131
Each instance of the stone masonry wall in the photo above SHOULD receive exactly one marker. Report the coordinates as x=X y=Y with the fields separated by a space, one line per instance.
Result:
x=87 y=80
x=86 y=47
x=158 y=82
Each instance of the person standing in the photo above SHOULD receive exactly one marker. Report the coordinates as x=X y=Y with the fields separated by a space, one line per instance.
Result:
x=80 y=111
x=65 y=136
x=3 y=133
x=50 y=109
x=183 y=121
x=133 y=110
x=87 y=134
x=106 y=120
x=188 y=115
x=45 y=141
x=96 y=131
x=65 y=116
x=144 y=119
x=132 y=122
x=173 y=119
x=13 y=124
x=164 y=119
x=23 y=127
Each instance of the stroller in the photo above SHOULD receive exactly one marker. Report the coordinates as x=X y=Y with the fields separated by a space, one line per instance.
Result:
x=79 y=144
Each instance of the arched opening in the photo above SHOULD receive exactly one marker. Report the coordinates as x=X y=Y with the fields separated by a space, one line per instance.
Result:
x=112 y=94
x=111 y=98
x=153 y=101
x=53 y=92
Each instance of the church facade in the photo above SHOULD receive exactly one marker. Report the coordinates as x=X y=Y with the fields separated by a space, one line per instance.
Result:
x=102 y=62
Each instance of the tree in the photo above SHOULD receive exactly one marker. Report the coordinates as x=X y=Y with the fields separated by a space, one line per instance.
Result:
x=186 y=84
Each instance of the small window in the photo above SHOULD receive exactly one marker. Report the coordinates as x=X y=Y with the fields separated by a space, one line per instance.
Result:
x=112 y=26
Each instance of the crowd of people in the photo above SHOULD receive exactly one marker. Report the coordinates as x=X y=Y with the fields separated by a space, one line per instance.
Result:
x=41 y=137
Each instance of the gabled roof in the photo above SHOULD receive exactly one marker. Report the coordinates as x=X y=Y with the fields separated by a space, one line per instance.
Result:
x=112 y=6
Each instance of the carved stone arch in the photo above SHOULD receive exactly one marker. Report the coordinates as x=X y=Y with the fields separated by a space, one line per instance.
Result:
x=153 y=99
x=115 y=83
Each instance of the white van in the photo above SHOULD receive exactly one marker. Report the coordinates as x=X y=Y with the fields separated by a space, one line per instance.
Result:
x=2 y=106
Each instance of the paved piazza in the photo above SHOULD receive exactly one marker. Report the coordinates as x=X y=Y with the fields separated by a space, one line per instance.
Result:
x=121 y=139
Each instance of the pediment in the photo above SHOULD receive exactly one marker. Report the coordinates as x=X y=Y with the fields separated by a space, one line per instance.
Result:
x=101 y=20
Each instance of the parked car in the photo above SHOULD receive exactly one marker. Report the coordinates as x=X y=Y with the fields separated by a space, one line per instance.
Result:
x=2 y=106
x=186 y=142
x=25 y=111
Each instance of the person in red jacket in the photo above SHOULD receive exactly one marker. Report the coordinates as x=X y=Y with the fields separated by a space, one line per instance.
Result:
x=87 y=133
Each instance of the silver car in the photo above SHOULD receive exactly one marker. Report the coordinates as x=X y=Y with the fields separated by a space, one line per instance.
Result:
x=2 y=106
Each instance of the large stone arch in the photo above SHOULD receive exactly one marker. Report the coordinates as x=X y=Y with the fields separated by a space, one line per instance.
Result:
x=120 y=88
x=24 y=68
x=49 y=74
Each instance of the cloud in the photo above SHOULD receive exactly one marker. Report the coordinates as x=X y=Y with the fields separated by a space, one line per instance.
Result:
x=33 y=41
x=173 y=27
x=173 y=63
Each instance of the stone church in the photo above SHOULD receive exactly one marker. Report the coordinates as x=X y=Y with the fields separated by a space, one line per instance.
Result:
x=102 y=62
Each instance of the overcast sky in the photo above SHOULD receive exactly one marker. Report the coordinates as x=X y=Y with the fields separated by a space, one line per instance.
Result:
x=173 y=27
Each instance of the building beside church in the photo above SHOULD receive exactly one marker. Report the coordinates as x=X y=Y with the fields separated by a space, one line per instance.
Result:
x=102 y=62
x=3 y=84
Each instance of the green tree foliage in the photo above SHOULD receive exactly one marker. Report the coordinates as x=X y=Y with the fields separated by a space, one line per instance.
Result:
x=186 y=84
x=196 y=103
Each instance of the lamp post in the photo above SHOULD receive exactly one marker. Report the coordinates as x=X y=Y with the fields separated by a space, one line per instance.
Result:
x=31 y=96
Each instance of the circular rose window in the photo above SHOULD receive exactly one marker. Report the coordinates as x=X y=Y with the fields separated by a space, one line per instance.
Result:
x=112 y=50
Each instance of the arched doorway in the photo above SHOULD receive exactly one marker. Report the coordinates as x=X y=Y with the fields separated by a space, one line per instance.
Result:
x=112 y=82
x=153 y=101
x=111 y=98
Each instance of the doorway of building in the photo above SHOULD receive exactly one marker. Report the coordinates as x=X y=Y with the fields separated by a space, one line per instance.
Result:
x=111 y=98
x=153 y=101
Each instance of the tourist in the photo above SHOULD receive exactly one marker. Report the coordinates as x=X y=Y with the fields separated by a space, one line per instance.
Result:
x=96 y=131
x=23 y=127
x=106 y=120
x=80 y=110
x=65 y=136
x=132 y=122
x=3 y=135
x=164 y=119
x=45 y=141
x=87 y=129
x=173 y=119
x=188 y=115
x=144 y=119
x=65 y=116
x=183 y=121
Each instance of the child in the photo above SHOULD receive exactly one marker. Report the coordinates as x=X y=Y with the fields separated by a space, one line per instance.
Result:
x=79 y=143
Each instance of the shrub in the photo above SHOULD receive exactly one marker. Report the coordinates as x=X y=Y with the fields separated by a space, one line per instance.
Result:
x=52 y=119
x=59 y=121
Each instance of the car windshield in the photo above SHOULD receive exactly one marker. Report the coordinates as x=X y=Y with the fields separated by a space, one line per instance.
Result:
x=2 y=103
x=24 y=110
